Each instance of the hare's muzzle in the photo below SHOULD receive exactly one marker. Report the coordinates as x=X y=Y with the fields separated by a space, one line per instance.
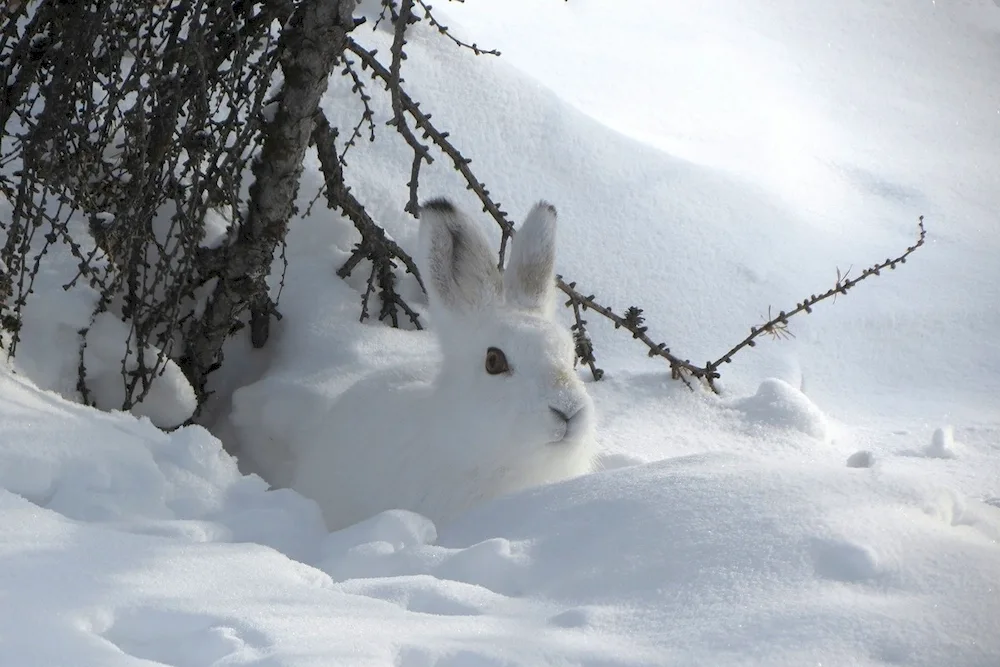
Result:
x=570 y=422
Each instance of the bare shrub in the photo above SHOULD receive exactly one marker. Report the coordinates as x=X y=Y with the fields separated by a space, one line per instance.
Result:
x=166 y=126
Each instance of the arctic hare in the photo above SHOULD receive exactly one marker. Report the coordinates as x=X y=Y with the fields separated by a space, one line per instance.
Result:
x=504 y=409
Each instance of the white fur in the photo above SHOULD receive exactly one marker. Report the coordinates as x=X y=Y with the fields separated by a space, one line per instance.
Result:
x=452 y=436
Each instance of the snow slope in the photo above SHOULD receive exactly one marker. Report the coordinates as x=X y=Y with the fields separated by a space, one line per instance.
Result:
x=856 y=117
x=838 y=504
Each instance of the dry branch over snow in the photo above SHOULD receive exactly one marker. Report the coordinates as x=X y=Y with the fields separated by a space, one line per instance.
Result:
x=631 y=320
x=171 y=114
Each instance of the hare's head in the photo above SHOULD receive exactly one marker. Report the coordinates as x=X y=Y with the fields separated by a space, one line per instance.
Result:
x=508 y=361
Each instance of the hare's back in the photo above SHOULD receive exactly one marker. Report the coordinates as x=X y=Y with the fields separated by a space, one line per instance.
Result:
x=359 y=455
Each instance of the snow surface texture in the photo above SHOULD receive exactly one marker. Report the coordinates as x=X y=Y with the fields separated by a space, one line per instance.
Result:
x=122 y=544
x=840 y=504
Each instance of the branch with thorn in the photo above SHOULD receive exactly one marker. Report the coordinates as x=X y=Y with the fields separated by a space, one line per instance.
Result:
x=394 y=81
x=375 y=246
x=779 y=322
x=443 y=29
x=581 y=339
x=776 y=326
x=440 y=139
x=367 y=115
x=632 y=320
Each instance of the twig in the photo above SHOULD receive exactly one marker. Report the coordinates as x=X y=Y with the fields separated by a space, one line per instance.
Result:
x=447 y=33
x=374 y=244
x=420 y=151
x=632 y=322
x=781 y=319
x=584 y=346
x=440 y=139
x=367 y=115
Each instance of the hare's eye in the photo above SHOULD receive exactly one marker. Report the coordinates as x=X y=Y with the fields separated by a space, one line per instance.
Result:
x=496 y=361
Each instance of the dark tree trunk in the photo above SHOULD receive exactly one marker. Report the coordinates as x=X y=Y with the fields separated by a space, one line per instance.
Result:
x=314 y=40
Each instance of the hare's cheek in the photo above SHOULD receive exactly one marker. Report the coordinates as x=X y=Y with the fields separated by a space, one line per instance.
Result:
x=557 y=432
x=563 y=378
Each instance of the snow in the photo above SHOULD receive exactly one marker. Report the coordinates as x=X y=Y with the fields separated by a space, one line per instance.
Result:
x=942 y=444
x=836 y=504
x=777 y=402
x=217 y=224
x=861 y=459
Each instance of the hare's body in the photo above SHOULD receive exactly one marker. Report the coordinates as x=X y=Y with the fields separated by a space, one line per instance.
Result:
x=504 y=409
x=427 y=468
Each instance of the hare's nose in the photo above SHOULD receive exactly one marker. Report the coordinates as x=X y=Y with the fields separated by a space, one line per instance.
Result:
x=565 y=416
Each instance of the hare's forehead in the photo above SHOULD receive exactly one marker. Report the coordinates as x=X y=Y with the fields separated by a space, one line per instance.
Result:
x=529 y=334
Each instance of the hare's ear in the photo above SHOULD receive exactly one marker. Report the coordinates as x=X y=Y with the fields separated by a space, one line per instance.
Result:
x=529 y=281
x=459 y=268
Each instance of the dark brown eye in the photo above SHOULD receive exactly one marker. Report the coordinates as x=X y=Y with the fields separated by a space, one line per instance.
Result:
x=496 y=361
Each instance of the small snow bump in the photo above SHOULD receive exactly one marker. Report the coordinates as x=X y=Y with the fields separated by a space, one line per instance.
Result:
x=614 y=460
x=495 y=563
x=942 y=444
x=842 y=560
x=949 y=507
x=180 y=638
x=397 y=528
x=571 y=618
x=861 y=459
x=778 y=403
x=425 y=594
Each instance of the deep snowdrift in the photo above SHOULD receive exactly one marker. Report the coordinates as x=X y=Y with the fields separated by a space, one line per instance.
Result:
x=120 y=543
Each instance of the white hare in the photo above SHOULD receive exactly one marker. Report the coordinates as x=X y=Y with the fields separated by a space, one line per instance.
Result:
x=504 y=410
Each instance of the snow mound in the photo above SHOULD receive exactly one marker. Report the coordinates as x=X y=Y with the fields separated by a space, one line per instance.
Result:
x=711 y=555
x=861 y=459
x=121 y=544
x=781 y=405
x=53 y=319
x=942 y=444
x=170 y=400
x=117 y=470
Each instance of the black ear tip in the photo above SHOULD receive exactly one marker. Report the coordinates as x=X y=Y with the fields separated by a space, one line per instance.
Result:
x=439 y=204
x=547 y=206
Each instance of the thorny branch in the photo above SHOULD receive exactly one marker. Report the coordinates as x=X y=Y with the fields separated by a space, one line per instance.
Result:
x=632 y=320
x=147 y=153
x=374 y=245
x=440 y=139
x=443 y=29
x=776 y=326
x=394 y=83
x=367 y=115
x=779 y=323
x=134 y=117
x=581 y=338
